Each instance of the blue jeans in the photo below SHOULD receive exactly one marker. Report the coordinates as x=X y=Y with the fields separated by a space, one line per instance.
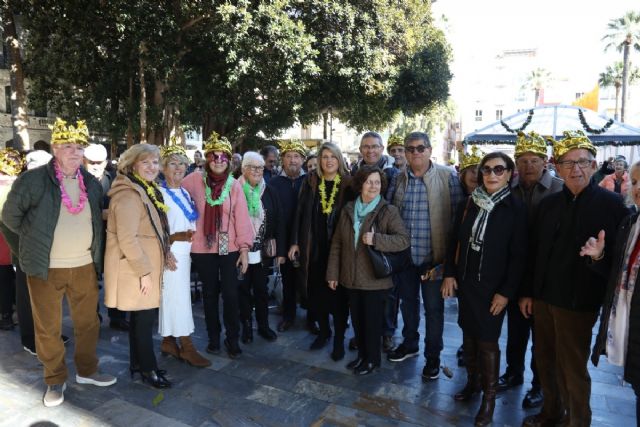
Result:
x=410 y=286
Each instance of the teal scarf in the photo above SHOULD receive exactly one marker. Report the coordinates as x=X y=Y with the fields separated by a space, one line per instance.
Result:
x=360 y=211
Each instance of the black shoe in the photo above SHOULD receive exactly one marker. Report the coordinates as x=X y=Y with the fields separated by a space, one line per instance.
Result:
x=155 y=379
x=6 y=323
x=353 y=344
x=233 y=349
x=65 y=339
x=338 y=353
x=268 y=334
x=507 y=381
x=387 y=344
x=284 y=325
x=402 y=353
x=119 y=325
x=365 y=368
x=247 y=332
x=313 y=327
x=355 y=363
x=533 y=398
x=213 y=348
x=460 y=357
x=319 y=343
x=431 y=369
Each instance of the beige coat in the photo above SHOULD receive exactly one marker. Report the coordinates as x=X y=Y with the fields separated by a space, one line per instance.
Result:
x=134 y=248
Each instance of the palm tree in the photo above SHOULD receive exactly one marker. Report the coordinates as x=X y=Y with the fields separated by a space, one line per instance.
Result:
x=624 y=33
x=612 y=76
x=536 y=81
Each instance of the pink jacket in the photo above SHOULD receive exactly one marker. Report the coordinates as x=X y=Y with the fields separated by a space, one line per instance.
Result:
x=609 y=183
x=240 y=230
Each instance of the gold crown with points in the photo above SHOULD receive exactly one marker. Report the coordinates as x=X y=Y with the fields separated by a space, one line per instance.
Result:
x=394 y=141
x=215 y=142
x=11 y=161
x=293 y=145
x=571 y=140
x=168 y=150
x=61 y=133
x=530 y=143
x=471 y=159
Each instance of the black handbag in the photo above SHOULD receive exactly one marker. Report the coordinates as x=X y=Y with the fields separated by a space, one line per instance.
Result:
x=387 y=263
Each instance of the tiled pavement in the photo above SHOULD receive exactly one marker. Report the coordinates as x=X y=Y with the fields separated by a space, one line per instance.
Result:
x=271 y=384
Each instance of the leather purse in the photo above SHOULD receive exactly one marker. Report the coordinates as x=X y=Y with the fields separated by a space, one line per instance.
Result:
x=387 y=263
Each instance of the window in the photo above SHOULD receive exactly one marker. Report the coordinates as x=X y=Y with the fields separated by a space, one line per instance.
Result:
x=498 y=114
x=579 y=95
x=4 y=59
x=478 y=115
x=7 y=99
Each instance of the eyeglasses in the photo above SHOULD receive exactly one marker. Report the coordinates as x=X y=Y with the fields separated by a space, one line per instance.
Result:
x=218 y=158
x=497 y=170
x=373 y=183
x=419 y=148
x=569 y=164
x=371 y=147
x=255 y=168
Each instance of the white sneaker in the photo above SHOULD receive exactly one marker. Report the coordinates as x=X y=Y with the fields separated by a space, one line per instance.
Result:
x=54 y=395
x=101 y=380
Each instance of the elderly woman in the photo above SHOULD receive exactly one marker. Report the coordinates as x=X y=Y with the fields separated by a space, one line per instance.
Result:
x=137 y=244
x=221 y=243
x=619 y=332
x=176 y=319
x=369 y=220
x=322 y=195
x=267 y=223
x=485 y=264
x=618 y=181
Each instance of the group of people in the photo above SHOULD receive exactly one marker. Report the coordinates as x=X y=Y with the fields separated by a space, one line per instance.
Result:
x=501 y=236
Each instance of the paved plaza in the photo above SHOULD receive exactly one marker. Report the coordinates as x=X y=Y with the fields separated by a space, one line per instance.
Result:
x=272 y=384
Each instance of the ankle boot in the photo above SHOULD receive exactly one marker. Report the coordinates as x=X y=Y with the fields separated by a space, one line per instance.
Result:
x=489 y=358
x=169 y=347
x=473 y=375
x=189 y=354
x=247 y=331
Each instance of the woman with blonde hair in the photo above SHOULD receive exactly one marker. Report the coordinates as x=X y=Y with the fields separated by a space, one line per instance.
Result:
x=137 y=244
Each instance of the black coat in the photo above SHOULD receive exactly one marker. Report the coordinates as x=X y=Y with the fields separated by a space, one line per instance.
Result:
x=275 y=226
x=594 y=209
x=632 y=366
x=288 y=190
x=498 y=268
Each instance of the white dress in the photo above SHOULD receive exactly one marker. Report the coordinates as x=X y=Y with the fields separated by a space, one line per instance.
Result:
x=176 y=318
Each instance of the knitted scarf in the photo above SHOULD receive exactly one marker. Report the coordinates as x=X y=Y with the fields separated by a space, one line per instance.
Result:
x=360 y=211
x=486 y=202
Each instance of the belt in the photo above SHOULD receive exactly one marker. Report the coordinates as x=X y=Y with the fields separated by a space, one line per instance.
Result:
x=181 y=236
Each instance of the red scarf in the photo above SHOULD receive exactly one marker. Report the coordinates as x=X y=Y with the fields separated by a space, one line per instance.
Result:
x=213 y=214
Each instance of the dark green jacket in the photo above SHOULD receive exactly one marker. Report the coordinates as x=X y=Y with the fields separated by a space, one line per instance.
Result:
x=30 y=215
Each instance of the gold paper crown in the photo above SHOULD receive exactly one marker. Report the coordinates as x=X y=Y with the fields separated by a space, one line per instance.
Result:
x=471 y=159
x=394 y=140
x=218 y=143
x=293 y=145
x=572 y=139
x=530 y=143
x=63 y=134
x=11 y=161
x=167 y=150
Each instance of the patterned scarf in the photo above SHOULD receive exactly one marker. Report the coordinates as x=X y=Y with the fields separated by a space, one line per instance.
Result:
x=618 y=333
x=360 y=211
x=213 y=214
x=486 y=202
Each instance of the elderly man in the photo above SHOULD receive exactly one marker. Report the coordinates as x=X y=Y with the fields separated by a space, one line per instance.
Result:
x=287 y=185
x=371 y=148
x=270 y=155
x=54 y=215
x=427 y=195
x=531 y=185
x=568 y=287
x=395 y=147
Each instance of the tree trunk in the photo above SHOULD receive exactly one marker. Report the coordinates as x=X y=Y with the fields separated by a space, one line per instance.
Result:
x=143 y=97
x=536 y=93
x=130 y=115
x=325 y=117
x=19 y=119
x=615 y=112
x=625 y=79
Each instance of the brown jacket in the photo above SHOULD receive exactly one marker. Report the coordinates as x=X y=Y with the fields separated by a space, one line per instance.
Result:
x=350 y=264
x=134 y=248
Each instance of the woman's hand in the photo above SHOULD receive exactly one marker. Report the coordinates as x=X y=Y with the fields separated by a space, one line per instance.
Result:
x=293 y=252
x=333 y=284
x=171 y=262
x=594 y=247
x=281 y=260
x=367 y=238
x=449 y=287
x=498 y=304
x=243 y=261
x=145 y=284
x=526 y=306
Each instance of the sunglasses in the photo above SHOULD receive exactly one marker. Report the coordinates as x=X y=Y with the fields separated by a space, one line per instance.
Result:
x=218 y=158
x=497 y=170
x=419 y=148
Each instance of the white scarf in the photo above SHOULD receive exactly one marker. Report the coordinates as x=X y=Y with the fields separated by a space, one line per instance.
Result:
x=486 y=202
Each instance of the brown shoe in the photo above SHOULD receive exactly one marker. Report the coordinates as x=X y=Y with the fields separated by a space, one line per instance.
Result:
x=169 y=347
x=189 y=354
x=489 y=363
x=541 y=420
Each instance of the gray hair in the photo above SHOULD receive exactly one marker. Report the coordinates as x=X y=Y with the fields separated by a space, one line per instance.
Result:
x=372 y=134
x=135 y=153
x=252 y=157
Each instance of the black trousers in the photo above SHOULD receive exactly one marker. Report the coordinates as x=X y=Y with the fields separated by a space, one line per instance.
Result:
x=115 y=314
x=289 y=286
x=253 y=292
x=219 y=276
x=323 y=302
x=23 y=309
x=7 y=289
x=141 y=352
x=367 y=309
x=518 y=328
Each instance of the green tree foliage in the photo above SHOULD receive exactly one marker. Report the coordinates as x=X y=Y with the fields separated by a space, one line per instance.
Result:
x=242 y=68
